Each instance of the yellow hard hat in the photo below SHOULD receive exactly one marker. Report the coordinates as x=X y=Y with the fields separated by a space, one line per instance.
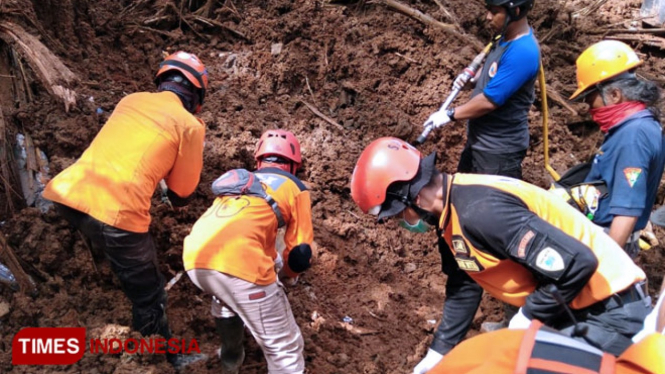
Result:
x=602 y=61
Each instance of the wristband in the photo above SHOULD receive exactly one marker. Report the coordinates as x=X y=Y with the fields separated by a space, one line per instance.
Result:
x=451 y=114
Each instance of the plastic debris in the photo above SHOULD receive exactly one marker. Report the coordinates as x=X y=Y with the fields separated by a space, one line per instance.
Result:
x=7 y=277
x=99 y=111
x=347 y=319
x=173 y=281
x=33 y=172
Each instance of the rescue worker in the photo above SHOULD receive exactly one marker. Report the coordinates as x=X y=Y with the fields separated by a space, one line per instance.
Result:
x=509 y=238
x=538 y=349
x=631 y=159
x=106 y=193
x=231 y=254
x=497 y=113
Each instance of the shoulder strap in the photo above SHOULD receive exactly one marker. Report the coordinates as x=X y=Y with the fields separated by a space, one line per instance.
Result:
x=242 y=182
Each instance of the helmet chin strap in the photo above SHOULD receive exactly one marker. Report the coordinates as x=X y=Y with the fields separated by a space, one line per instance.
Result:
x=425 y=215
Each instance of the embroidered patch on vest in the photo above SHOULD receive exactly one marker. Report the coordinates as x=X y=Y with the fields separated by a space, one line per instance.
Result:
x=459 y=246
x=492 y=70
x=524 y=242
x=550 y=260
x=469 y=264
x=631 y=175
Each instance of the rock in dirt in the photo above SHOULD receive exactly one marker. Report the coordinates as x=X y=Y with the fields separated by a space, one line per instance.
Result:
x=4 y=309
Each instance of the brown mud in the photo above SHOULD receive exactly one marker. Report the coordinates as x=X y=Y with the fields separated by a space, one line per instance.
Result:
x=373 y=71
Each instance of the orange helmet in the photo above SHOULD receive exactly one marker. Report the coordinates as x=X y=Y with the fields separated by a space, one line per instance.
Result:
x=190 y=66
x=280 y=143
x=602 y=61
x=384 y=162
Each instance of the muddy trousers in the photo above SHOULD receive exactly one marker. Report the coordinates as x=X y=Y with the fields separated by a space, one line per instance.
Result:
x=266 y=312
x=134 y=261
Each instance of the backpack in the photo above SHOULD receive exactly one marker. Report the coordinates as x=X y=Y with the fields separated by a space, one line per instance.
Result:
x=239 y=182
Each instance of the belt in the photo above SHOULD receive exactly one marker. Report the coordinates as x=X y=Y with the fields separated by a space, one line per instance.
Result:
x=636 y=292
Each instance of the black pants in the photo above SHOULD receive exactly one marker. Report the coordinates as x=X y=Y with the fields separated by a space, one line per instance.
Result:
x=134 y=261
x=611 y=323
x=480 y=162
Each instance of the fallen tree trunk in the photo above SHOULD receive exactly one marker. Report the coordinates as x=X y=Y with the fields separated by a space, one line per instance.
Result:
x=52 y=73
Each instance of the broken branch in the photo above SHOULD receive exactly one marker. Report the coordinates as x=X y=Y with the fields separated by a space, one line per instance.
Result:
x=557 y=98
x=7 y=254
x=212 y=22
x=650 y=40
x=418 y=15
x=628 y=31
x=322 y=116
x=51 y=71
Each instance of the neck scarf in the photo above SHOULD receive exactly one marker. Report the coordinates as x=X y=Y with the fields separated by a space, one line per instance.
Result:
x=609 y=116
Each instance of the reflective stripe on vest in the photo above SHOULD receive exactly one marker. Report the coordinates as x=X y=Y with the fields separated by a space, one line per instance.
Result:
x=547 y=352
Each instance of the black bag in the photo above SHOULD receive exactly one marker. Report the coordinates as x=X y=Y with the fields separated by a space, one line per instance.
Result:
x=581 y=195
x=239 y=182
x=574 y=175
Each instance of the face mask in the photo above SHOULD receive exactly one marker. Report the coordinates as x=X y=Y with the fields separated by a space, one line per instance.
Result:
x=420 y=227
x=608 y=116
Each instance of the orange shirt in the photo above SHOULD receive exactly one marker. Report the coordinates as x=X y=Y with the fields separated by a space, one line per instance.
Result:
x=237 y=234
x=149 y=137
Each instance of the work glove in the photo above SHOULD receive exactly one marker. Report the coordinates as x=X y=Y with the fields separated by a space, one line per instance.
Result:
x=426 y=364
x=519 y=321
x=279 y=263
x=438 y=118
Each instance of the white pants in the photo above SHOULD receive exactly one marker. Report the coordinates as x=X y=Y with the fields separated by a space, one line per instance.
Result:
x=266 y=312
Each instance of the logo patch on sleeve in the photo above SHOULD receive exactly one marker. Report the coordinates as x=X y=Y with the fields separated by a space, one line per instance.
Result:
x=550 y=260
x=492 y=70
x=526 y=239
x=632 y=174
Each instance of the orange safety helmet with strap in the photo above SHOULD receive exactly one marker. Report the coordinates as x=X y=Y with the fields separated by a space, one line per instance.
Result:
x=387 y=161
x=190 y=67
x=601 y=62
x=280 y=143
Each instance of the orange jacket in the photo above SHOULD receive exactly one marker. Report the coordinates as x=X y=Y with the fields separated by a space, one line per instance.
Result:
x=499 y=352
x=237 y=234
x=149 y=137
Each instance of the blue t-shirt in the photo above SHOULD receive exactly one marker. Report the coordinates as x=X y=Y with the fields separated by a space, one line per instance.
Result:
x=631 y=161
x=507 y=80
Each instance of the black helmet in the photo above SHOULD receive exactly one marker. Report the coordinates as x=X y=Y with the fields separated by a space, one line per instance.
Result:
x=511 y=5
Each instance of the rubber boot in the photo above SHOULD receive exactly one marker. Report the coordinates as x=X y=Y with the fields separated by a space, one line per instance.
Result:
x=154 y=321
x=232 y=354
